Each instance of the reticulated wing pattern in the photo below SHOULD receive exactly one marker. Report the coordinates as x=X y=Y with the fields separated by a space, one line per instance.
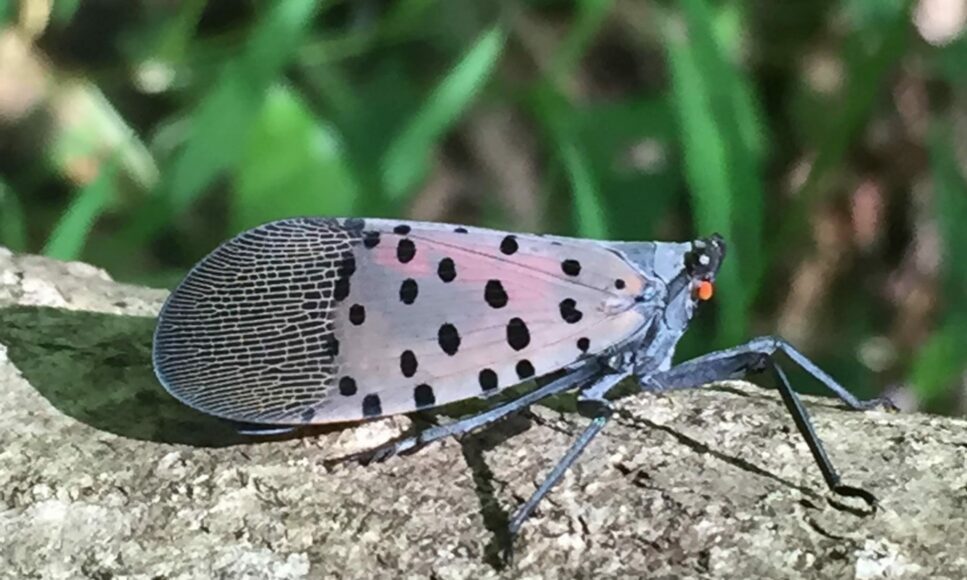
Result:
x=248 y=335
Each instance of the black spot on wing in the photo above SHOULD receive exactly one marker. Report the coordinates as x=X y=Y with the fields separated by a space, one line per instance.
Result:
x=488 y=380
x=371 y=239
x=372 y=406
x=405 y=250
x=347 y=386
x=518 y=336
x=448 y=338
x=357 y=314
x=347 y=267
x=341 y=290
x=423 y=396
x=571 y=267
x=494 y=294
x=408 y=363
x=447 y=270
x=332 y=347
x=569 y=311
x=354 y=224
x=509 y=245
x=409 y=290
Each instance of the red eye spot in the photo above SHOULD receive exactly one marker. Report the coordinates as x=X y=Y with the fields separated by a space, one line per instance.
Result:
x=704 y=290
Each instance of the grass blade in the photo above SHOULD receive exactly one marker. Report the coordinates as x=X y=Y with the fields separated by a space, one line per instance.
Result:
x=70 y=235
x=557 y=116
x=941 y=360
x=715 y=110
x=13 y=226
x=219 y=124
x=406 y=161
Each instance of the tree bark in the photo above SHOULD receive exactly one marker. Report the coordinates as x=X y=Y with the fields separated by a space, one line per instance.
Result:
x=103 y=474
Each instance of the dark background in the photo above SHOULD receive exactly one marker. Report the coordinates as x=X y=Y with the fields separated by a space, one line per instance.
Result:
x=827 y=140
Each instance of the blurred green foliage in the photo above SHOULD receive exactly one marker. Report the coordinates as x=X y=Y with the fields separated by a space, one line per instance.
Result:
x=159 y=129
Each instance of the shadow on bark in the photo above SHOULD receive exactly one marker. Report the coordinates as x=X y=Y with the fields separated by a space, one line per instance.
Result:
x=96 y=368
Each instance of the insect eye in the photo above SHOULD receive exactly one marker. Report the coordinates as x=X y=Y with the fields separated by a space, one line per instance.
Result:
x=703 y=260
x=691 y=262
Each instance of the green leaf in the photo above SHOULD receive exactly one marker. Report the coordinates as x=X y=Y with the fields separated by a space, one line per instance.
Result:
x=220 y=126
x=63 y=11
x=7 y=15
x=13 y=226
x=557 y=119
x=406 y=17
x=941 y=361
x=71 y=233
x=220 y=123
x=590 y=15
x=217 y=135
x=629 y=147
x=172 y=36
x=91 y=128
x=407 y=161
x=292 y=165
x=588 y=210
x=874 y=13
x=949 y=63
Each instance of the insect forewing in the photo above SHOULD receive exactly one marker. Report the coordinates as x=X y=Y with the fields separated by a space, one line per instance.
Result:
x=316 y=320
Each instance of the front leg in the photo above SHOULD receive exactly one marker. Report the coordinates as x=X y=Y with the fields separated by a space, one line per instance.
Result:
x=741 y=361
x=753 y=357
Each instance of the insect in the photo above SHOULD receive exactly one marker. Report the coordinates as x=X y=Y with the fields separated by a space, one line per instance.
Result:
x=317 y=320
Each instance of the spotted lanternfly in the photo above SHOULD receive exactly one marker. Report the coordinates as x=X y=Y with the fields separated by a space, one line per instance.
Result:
x=318 y=320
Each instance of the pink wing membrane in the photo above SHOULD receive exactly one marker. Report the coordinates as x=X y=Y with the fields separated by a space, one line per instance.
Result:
x=436 y=315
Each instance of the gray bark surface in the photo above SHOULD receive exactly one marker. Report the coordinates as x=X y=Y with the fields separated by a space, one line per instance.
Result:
x=103 y=475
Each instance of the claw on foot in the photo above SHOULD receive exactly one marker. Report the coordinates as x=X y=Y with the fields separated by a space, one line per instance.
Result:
x=885 y=402
x=869 y=498
x=364 y=458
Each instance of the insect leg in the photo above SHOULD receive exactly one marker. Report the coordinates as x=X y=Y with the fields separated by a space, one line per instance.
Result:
x=808 y=432
x=567 y=382
x=601 y=413
x=755 y=356
x=743 y=360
